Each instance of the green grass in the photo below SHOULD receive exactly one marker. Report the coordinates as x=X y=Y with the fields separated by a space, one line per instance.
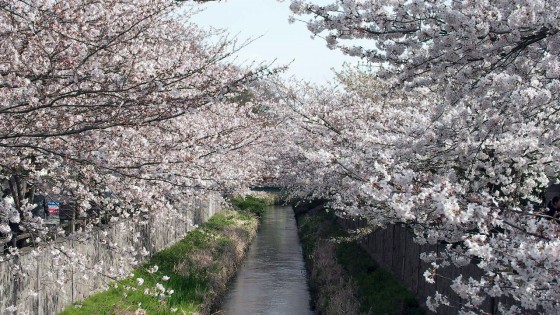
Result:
x=377 y=290
x=250 y=204
x=189 y=279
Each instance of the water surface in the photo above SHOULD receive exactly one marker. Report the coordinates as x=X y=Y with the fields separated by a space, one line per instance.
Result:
x=272 y=279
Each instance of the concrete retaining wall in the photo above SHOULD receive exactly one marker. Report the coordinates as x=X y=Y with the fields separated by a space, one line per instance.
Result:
x=44 y=280
x=394 y=249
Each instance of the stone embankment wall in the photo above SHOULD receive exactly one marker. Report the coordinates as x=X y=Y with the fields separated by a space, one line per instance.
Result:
x=44 y=280
x=394 y=249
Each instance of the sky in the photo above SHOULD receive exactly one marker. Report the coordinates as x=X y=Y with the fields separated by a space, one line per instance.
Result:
x=310 y=58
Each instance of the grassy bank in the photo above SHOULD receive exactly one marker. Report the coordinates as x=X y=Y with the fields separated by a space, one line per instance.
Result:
x=343 y=277
x=186 y=278
x=252 y=204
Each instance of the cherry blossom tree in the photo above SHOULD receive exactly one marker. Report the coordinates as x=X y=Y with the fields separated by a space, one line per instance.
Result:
x=116 y=104
x=455 y=135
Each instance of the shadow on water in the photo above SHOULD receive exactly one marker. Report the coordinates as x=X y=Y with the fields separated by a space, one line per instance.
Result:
x=272 y=279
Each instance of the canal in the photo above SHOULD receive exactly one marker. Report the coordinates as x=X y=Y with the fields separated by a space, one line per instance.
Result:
x=272 y=279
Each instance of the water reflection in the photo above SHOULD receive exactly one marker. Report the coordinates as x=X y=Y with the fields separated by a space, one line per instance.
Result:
x=272 y=279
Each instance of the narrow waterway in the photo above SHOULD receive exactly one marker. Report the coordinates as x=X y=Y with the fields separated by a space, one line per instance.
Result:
x=272 y=279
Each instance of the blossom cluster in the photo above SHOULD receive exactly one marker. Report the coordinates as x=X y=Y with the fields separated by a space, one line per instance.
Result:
x=457 y=135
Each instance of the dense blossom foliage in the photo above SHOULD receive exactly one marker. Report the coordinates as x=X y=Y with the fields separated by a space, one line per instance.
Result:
x=117 y=105
x=457 y=134
x=120 y=105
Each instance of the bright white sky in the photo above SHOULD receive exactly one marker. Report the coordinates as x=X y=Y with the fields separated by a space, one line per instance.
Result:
x=285 y=42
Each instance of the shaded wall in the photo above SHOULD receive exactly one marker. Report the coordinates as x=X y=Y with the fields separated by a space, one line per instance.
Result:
x=393 y=248
x=553 y=191
x=39 y=282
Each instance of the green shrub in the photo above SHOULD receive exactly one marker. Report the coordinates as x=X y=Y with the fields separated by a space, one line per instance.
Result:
x=251 y=204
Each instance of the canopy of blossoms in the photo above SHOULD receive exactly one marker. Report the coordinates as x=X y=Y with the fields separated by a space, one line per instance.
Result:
x=119 y=105
x=456 y=134
x=122 y=104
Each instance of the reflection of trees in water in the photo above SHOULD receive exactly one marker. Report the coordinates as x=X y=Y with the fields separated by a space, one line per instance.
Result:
x=273 y=278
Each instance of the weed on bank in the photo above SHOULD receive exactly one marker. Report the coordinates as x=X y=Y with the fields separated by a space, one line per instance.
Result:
x=251 y=204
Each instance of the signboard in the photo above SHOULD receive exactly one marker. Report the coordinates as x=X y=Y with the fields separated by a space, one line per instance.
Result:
x=54 y=208
x=54 y=213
